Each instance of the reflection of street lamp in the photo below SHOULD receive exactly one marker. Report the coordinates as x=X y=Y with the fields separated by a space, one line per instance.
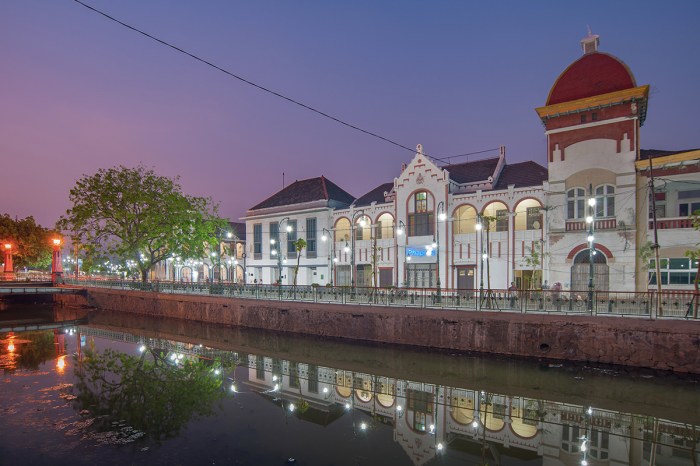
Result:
x=325 y=234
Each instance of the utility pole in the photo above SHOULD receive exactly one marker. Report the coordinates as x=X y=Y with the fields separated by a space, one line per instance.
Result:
x=659 y=309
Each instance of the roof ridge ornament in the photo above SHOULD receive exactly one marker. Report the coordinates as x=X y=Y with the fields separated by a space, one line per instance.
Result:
x=590 y=43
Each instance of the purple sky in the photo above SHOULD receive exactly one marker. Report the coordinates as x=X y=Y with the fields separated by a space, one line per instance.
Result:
x=79 y=92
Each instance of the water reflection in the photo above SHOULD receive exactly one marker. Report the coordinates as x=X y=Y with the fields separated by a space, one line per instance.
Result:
x=430 y=419
x=154 y=393
x=139 y=386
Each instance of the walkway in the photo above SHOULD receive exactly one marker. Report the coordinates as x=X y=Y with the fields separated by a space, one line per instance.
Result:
x=674 y=304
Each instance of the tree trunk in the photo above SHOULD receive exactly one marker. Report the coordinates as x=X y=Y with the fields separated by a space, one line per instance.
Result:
x=144 y=275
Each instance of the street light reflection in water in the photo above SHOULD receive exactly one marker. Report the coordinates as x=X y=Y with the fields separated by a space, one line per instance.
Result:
x=176 y=399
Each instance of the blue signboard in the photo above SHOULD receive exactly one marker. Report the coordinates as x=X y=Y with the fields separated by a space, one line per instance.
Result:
x=420 y=252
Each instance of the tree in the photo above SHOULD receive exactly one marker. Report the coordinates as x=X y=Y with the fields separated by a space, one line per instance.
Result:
x=534 y=259
x=31 y=243
x=299 y=245
x=134 y=214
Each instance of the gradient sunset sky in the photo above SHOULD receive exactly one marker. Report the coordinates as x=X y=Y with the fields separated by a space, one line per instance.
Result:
x=79 y=92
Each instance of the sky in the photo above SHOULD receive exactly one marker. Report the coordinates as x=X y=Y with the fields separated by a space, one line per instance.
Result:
x=79 y=92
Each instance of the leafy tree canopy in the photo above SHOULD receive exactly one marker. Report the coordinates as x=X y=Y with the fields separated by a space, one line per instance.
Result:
x=134 y=214
x=31 y=243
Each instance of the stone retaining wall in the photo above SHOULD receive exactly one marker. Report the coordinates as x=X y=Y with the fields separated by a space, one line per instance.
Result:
x=660 y=344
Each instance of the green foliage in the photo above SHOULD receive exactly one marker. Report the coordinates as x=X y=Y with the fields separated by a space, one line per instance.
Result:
x=31 y=243
x=646 y=253
x=534 y=259
x=299 y=245
x=694 y=254
x=155 y=396
x=134 y=214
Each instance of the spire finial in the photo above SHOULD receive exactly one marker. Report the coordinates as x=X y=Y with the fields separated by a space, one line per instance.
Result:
x=590 y=43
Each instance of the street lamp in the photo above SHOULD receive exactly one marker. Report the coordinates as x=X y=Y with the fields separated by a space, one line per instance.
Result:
x=355 y=215
x=8 y=269
x=399 y=232
x=442 y=216
x=278 y=252
x=591 y=244
x=325 y=234
x=479 y=229
x=56 y=267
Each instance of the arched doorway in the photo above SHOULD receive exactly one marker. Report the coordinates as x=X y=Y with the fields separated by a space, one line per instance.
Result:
x=580 y=271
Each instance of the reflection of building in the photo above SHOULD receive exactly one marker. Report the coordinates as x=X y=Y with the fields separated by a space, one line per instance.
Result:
x=429 y=420
x=487 y=223
x=467 y=423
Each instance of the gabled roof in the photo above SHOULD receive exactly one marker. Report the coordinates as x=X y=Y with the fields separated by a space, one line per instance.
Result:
x=375 y=195
x=521 y=175
x=299 y=192
x=646 y=154
x=471 y=172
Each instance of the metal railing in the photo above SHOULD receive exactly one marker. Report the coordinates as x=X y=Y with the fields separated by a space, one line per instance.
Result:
x=674 y=304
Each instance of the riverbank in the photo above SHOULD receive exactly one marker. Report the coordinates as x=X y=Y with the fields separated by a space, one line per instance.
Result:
x=659 y=344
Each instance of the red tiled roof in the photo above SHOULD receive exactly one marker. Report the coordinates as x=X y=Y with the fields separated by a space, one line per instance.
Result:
x=470 y=172
x=375 y=195
x=646 y=154
x=313 y=189
x=521 y=175
x=592 y=74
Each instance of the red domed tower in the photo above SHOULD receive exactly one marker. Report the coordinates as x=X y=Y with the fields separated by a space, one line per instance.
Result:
x=592 y=118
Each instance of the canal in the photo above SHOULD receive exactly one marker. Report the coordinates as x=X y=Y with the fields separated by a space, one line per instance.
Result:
x=87 y=388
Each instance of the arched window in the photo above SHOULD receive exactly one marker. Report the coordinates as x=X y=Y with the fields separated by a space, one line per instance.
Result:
x=421 y=221
x=605 y=201
x=498 y=212
x=464 y=220
x=363 y=228
x=528 y=215
x=342 y=230
x=576 y=203
x=385 y=226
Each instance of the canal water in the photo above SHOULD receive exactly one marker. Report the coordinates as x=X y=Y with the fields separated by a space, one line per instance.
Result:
x=117 y=389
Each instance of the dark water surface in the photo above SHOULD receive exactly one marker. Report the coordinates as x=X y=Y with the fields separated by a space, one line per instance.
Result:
x=118 y=389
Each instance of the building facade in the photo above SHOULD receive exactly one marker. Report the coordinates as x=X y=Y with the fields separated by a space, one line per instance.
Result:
x=583 y=222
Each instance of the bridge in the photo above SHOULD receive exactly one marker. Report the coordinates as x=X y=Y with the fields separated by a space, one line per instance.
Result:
x=23 y=288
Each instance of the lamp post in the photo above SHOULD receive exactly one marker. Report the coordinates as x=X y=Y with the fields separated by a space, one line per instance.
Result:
x=325 y=234
x=278 y=251
x=442 y=216
x=591 y=244
x=8 y=269
x=355 y=214
x=479 y=230
x=56 y=267
x=399 y=232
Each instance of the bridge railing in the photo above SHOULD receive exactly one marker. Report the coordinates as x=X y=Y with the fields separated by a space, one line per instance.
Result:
x=673 y=304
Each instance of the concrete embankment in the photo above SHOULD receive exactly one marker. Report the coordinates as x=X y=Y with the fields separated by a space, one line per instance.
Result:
x=657 y=344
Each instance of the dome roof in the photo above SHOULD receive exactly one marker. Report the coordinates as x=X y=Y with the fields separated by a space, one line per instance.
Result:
x=592 y=74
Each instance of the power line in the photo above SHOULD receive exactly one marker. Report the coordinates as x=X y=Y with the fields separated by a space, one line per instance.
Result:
x=255 y=85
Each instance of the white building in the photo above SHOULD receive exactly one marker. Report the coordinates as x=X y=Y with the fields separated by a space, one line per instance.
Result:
x=486 y=224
